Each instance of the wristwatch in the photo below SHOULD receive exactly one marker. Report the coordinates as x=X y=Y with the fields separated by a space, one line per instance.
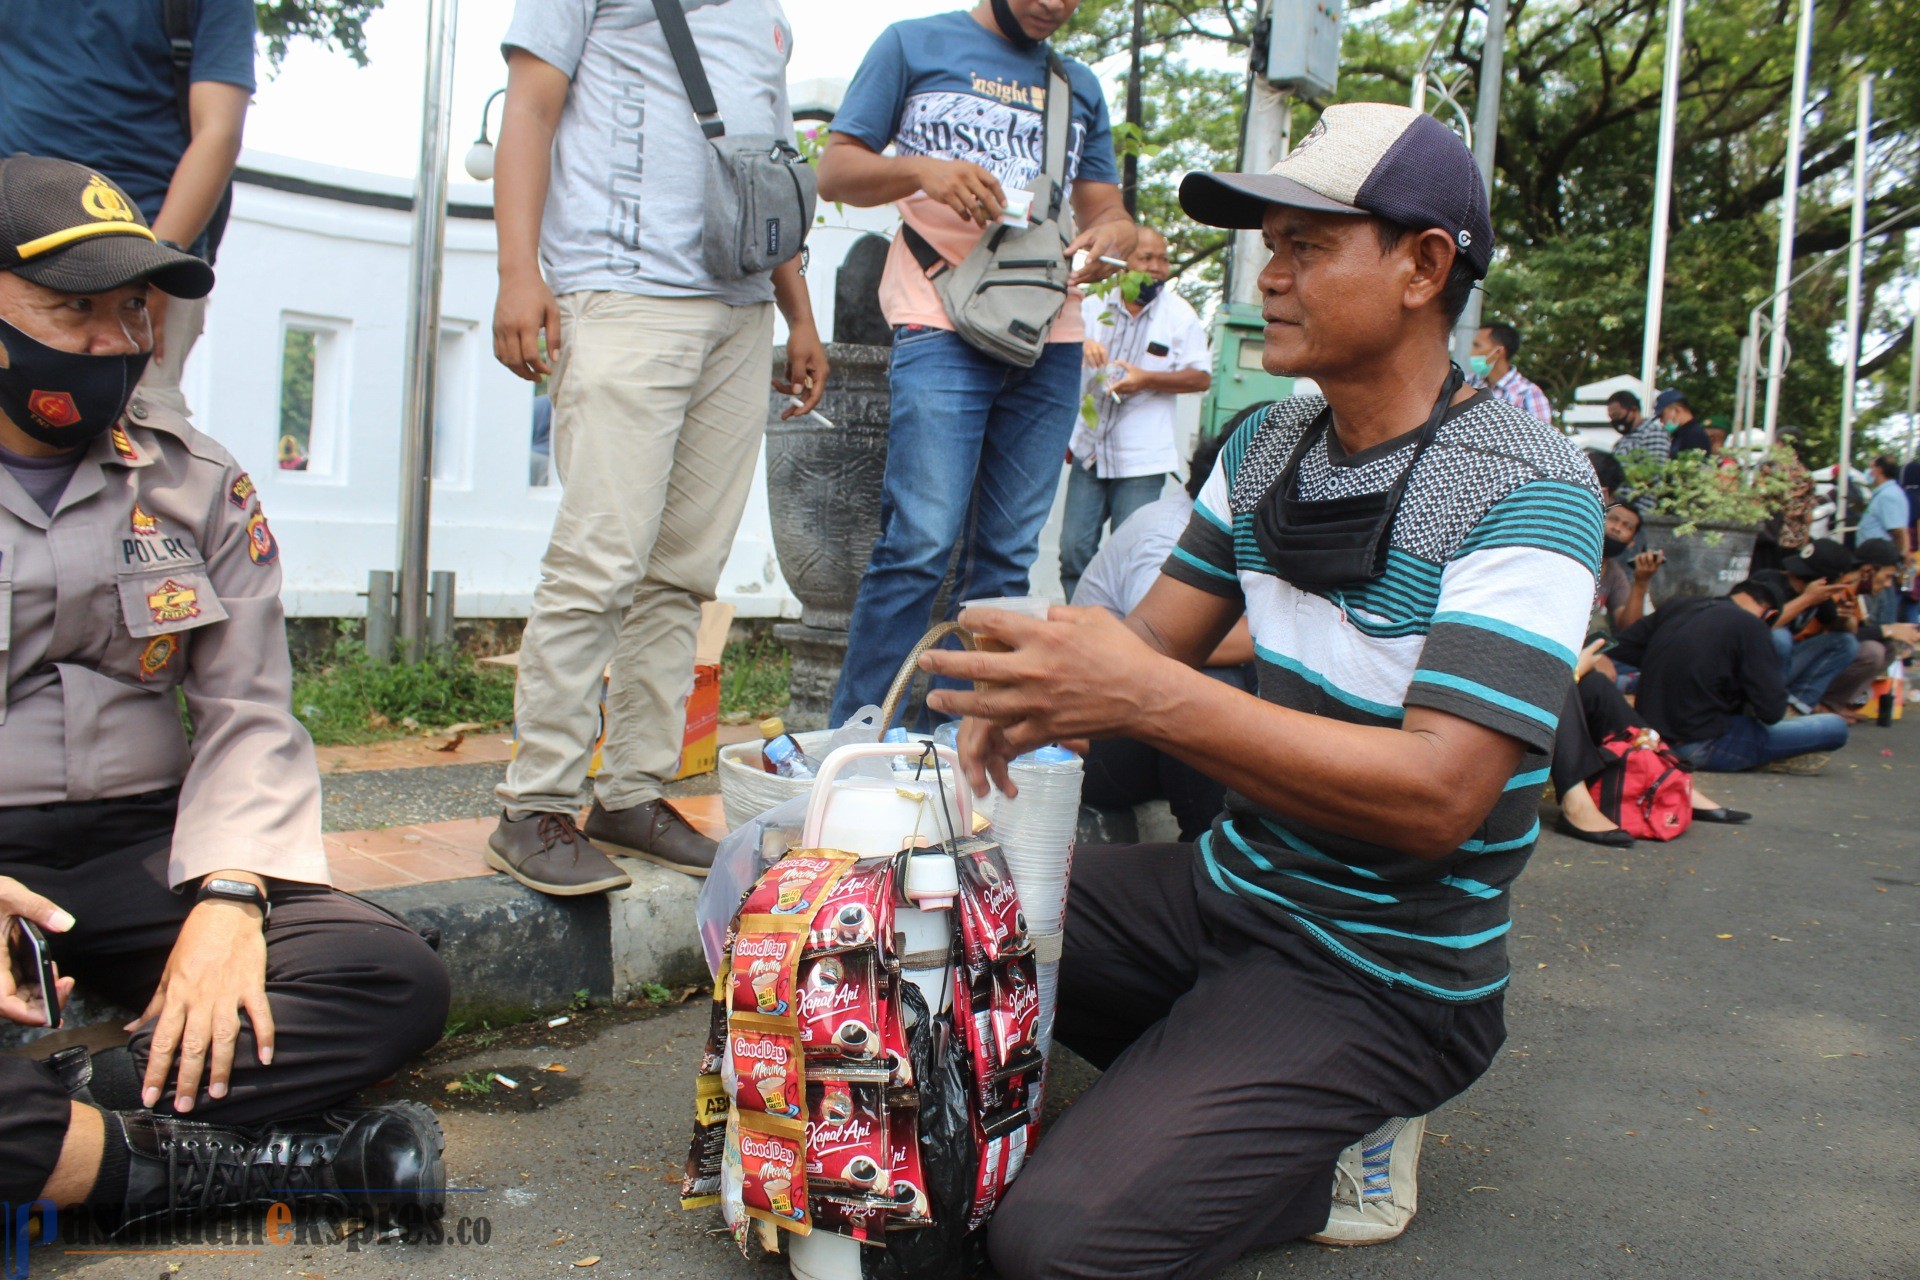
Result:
x=235 y=891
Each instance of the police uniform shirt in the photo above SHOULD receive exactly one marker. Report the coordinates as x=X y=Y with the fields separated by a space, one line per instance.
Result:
x=157 y=570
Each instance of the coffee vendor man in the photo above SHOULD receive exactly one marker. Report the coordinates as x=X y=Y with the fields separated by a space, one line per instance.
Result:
x=1417 y=562
x=179 y=876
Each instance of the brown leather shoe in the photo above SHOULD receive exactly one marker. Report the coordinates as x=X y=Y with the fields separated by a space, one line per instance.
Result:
x=655 y=832
x=545 y=851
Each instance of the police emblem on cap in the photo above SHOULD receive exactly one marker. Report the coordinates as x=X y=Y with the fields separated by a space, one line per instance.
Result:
x=155 y=657
x=143 y=523
x=103 y=201
x=53 y=408
x=261 y=547
x=171 y=602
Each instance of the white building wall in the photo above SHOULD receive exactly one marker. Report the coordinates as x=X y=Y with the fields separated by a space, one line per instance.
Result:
x=340 y=267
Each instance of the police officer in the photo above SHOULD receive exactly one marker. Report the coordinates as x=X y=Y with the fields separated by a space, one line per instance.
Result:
x=180 y=875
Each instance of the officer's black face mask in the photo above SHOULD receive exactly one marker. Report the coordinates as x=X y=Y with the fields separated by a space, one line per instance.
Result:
x=64 y=398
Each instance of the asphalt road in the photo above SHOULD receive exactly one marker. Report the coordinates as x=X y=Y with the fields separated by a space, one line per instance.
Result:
x=1711 y=1071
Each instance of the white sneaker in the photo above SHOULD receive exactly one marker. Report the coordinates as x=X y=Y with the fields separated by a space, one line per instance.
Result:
x=1376 y=1188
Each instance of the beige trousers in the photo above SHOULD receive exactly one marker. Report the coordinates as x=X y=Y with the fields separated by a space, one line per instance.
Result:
x=658 y=409
x=186 y=317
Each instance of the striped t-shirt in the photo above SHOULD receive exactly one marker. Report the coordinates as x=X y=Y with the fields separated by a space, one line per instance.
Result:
x=1485 y=599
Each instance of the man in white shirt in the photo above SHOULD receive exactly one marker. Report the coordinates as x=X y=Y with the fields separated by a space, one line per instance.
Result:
x=1140 y=356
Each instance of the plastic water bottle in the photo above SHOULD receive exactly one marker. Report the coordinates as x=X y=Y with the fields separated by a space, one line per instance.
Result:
x=947 y=734
x=782 y=752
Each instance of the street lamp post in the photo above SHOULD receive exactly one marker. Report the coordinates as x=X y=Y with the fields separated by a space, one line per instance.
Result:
x=1486 y=134
x=1662 y=202
x=423 y=330
x=1789 y=216
x=1855 y=251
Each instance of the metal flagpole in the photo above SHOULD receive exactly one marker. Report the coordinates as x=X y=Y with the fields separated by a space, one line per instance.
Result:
x=423 y=328
x=1860 y=176
x=1486 y=132
x=1789 y=216
x=1662 y=204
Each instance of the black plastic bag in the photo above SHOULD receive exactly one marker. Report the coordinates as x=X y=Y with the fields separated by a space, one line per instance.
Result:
x=943 y=1251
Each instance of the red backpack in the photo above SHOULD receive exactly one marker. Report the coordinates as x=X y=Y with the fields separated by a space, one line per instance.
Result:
x=1644 y=787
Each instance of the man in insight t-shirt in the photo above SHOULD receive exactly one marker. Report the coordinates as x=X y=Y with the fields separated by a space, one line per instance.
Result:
x=974 y=444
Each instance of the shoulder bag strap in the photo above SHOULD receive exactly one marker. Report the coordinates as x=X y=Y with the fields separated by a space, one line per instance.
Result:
x=693 y=73
x=1059 y=116
x=179 y=17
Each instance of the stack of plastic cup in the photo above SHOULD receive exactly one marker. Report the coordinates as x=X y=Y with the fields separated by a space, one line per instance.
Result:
x=1035 y=833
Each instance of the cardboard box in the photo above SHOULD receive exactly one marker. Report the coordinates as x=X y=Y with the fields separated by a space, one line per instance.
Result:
x=700 y=745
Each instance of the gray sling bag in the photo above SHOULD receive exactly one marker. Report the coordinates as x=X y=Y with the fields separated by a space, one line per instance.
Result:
x=760 y=189
x=1003 y=296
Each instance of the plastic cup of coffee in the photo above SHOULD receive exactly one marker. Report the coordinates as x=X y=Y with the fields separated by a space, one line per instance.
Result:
x=1029 y=606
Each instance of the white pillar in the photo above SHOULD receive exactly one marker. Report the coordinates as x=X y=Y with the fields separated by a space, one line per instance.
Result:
x=423 y=328
x=1662 y=205
x=1861 y=137
x=1789 y=216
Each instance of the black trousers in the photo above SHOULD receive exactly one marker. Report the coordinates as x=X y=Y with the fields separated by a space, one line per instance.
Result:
x=1239 y=1060
x=1124 y=772
x=1595 y=711
x=355 y=993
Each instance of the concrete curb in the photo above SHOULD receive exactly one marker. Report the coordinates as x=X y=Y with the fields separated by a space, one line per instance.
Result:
x=513 y=952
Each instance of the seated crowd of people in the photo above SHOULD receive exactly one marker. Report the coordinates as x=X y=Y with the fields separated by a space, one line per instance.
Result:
x=1772 y=675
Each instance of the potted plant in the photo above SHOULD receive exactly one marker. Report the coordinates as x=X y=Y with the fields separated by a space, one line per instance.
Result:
x=1703 y=514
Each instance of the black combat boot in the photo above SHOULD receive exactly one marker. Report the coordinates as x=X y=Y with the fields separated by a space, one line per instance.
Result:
x=373 y=1163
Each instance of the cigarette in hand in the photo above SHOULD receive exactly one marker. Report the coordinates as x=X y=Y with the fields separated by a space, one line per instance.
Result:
x=1113 y=262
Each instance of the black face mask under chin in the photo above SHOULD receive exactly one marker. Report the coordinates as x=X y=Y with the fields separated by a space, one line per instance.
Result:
x=1612 y=547
x=63 y=398
x=1337 y=541
x=1010 y=26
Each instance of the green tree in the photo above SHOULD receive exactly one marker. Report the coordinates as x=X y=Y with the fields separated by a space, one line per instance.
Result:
x=1575 y=162
x=336 y=24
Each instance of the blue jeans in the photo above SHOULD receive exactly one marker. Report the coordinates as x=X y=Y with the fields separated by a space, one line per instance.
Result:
x=1092 y=505
x=1747 y=743
x=1809 y=666
x=973 y=458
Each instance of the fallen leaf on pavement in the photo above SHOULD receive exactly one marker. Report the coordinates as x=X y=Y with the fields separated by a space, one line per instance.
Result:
x=555 y=1066
x=451 y=744
x=591 y=1260
x=1723 y=936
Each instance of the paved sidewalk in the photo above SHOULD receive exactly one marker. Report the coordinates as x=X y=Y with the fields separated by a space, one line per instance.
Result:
x=1710 y=1072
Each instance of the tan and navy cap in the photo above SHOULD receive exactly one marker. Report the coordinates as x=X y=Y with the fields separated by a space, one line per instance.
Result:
x=1371 y=158
x=66 y=227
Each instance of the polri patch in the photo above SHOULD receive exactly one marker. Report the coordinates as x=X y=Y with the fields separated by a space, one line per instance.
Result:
x=155 y=658
x=260 y=544
x=241 y=491
x=171 y=602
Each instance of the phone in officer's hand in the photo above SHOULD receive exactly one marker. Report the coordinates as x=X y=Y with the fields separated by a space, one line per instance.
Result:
x=36 y=983
x=1157 y=349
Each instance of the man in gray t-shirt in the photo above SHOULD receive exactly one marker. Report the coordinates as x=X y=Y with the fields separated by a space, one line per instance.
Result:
x=655 y=372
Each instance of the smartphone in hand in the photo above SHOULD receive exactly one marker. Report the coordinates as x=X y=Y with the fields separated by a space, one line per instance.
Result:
x=35 y=980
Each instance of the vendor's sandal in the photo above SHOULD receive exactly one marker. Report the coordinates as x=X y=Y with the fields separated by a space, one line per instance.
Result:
x=1614 y=839
x=1722 y=814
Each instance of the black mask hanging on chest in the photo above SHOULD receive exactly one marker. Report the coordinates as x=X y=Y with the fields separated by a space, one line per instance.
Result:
x=1337 y=541
x=1010 y=26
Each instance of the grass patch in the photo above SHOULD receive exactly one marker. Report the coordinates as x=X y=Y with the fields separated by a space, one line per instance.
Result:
x=344 y=697
x=753 y=679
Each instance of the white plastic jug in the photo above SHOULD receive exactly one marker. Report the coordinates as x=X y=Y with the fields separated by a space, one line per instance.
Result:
x=877 y=819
